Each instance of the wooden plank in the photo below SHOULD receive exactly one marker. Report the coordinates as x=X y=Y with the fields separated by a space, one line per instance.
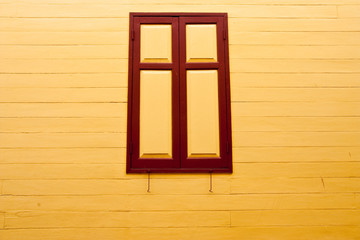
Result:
x=61 y=233
x=197 y=2
x=63 y=155
x=293 y=25
x=297 y=170
x=226 y=233
x=58 y=125
x=256 y=170
x=88 y=80
x=342 y=184
x=35 y=219
x=295 y=94
x=200 y=186
x=63 y=109
x=295 y=218
x=295 y=38
x=296 y=154
x=47 y=95
x=151 y=202
x=311 y=124
x=43 y=140
x=64 y=24
x=7 y=9
x=122 y=10
x=345 y=139
x=294 y=52
x=70 y=38
x=247 y=233
x=61 y=171
x=352 y=11
x=309 y=109
x=275 y=185
x=64 y=51
x=294 y=66
x=308 y=80
x=63 y=65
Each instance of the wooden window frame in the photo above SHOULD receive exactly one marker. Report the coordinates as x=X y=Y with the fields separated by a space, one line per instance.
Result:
x=179 y=161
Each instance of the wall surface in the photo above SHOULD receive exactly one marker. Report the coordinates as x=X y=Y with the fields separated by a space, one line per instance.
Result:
x=295 y=85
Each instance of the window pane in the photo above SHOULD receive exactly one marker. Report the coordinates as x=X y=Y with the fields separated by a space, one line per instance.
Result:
x=201 y=43
x=155 y=114
x=202 y=113
x=155 y=43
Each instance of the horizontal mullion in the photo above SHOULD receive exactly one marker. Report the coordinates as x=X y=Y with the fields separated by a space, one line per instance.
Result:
x=156 y=66
x=202 y=65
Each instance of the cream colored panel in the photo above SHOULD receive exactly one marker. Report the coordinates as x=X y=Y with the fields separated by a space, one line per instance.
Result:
x=201 y=43
x=155 y=114
x=202 y=113
x=155 y=43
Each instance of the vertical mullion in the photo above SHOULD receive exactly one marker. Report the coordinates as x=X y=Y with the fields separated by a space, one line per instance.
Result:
x=175 y=92
x=183 y=101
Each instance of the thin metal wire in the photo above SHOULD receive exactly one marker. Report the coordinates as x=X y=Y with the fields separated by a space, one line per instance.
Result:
x=211 y=187
x=148 y=188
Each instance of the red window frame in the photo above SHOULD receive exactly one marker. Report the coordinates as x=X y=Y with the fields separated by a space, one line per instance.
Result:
x=179 y=162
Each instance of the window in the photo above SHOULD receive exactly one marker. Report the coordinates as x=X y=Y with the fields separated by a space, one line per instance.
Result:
x=179 y=93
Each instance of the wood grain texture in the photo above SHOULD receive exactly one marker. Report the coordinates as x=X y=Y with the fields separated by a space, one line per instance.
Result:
x=296 y=217
x=295 y=95
x=349 y=139
x=206 y=202
x=63 y=38
x=298 y=124
x=64 y=80
x=251 y=233
x=295 y=80
x=63 y=65
x=122 y=9
x=294 y=52
x=28 y=140
x=62 y=125
x=113 y=187
x=63 y=109
x=2 y=220
x=28 y=95
x=65 y=51
x=296 y=109
x=28 y=219
x=296 y=154
x=62 y=155
x=274 y=170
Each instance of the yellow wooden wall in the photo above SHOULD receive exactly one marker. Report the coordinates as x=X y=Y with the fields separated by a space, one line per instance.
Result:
x=295 y=85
